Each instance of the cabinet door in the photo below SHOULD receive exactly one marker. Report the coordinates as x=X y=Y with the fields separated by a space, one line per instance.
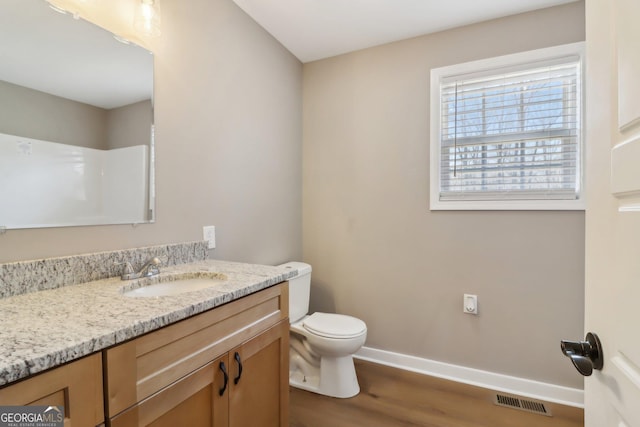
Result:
x=76 y=386
x=200 y=399
x=260 y=381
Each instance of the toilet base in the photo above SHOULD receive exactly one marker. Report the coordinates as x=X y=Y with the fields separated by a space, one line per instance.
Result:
x=337 y=378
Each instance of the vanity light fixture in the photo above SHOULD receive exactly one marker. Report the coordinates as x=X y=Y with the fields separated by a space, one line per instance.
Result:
x=121 y=39
x=59 y=9
x=147 y=17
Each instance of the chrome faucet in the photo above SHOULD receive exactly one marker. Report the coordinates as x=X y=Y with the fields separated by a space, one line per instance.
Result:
x=150 y=268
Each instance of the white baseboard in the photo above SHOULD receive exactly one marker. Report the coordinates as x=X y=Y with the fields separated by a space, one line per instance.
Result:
x=490 y=380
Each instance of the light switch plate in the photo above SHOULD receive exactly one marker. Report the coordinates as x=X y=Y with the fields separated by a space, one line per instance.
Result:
x=209 y=234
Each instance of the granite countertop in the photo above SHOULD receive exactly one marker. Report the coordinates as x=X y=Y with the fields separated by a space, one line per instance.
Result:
x=44 y=329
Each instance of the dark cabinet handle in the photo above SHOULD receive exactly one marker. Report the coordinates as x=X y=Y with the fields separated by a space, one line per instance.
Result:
x=226 y=378
x=585 y=355
x=237 y=357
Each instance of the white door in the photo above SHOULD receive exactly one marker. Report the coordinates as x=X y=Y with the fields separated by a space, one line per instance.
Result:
x=612 y=289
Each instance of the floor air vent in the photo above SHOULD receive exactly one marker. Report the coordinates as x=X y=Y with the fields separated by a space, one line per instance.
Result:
x=521 y=404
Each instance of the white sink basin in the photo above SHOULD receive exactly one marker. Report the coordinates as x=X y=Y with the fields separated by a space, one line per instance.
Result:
x=177 y=285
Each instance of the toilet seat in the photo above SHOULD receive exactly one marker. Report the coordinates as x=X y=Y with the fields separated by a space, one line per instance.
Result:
x=331 y=325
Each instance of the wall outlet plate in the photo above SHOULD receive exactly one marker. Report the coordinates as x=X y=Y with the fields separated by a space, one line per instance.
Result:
x=209 y=234
x=470 y=304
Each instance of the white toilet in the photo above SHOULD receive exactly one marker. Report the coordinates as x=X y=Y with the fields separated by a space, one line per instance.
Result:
x=321 y=344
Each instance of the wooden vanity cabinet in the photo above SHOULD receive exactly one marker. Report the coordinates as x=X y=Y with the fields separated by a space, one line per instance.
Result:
x=176 y=376
x=77 y=386
x=260 y=397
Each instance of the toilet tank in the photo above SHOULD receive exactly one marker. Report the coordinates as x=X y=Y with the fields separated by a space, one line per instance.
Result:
x=299 y=290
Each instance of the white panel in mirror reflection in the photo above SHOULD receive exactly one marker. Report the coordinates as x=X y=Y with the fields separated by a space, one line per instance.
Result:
x=46 y=184
x=124 y=186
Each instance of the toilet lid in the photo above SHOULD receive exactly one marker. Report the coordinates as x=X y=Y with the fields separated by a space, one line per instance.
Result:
x=333 y=325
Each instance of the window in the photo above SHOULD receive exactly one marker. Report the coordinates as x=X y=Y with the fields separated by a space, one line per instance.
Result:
x=506 y=132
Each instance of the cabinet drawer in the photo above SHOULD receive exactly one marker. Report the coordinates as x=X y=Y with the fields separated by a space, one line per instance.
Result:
x=193 y=401
x=141 y=367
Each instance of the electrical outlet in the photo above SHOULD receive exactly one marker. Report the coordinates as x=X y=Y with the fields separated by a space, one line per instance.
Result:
x=470 y=304
x=209 y=234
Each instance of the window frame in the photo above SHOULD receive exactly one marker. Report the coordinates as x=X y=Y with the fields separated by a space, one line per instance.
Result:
x=520 y=60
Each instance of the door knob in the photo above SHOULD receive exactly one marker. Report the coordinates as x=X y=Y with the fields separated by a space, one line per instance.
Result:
x=585 y=355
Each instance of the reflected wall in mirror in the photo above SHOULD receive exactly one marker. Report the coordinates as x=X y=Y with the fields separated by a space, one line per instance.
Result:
x=76 y=122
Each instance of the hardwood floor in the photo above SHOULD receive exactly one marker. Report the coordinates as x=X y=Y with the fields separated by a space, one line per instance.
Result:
x=394 y=397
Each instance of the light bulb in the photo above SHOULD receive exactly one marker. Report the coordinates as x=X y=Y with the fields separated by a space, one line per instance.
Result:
x=147 y=17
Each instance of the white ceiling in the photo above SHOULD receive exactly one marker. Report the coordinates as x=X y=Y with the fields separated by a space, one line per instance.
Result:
x=316 y=29
x=72 y=58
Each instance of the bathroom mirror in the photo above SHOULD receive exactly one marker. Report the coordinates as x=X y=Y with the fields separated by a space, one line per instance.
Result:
x=76 y=122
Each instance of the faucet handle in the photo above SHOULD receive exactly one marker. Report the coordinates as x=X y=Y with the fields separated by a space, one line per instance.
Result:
x=127 y=271
x=154 y=266
x=150 y=268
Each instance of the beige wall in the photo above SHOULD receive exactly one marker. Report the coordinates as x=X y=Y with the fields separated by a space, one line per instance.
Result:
x=129 y=125
x=378 y=252
x=33 y=114
x=228 y=140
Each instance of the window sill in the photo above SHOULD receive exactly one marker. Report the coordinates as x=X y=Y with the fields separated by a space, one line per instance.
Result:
x=511 y=205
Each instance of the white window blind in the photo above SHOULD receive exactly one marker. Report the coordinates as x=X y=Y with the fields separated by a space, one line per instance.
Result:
x=512 y=133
